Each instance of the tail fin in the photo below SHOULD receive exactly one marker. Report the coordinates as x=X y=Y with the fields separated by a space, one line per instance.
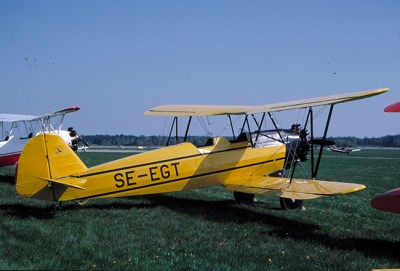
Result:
x=45 y=158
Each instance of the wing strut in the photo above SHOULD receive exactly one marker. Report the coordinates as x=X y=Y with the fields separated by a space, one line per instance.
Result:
x=259 y=126
x=187 y=129
x=315 y=171
x=175 y=122
x=246 y=121
x=276 y=127
x=233 y=131
x=311 y=115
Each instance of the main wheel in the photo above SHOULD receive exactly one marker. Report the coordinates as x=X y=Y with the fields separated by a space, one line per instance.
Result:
x=246 y=198
x=291 y=204
x=55 y=207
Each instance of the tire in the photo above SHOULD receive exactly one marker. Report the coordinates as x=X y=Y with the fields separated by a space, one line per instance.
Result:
x=291 y=204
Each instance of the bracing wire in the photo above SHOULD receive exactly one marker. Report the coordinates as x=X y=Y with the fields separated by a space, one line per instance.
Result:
x=204 y=125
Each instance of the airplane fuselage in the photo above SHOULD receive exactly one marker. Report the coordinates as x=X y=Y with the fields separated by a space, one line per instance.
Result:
x=171 y=169
x=10 y=150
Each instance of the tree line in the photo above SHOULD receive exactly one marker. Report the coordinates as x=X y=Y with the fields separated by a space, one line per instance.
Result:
x=151 y=141
x=384 y=141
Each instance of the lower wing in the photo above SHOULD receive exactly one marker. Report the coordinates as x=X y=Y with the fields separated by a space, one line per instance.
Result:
x=295 y=188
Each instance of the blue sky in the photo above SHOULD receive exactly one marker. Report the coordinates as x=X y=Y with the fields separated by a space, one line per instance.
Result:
x=116 y=59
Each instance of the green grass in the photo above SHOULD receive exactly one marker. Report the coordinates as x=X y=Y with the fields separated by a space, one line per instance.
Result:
x=204 y=229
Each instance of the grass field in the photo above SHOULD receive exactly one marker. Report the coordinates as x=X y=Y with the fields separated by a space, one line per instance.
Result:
x=205 y=230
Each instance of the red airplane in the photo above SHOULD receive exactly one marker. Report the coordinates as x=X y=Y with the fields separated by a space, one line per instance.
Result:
x=390 y=200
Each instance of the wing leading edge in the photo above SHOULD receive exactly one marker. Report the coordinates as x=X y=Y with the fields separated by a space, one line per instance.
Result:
x=212 y=110
x=297 y=189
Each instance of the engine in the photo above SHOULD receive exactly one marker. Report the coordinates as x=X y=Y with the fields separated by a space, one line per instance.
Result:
x=295 y=138
x=297 y=145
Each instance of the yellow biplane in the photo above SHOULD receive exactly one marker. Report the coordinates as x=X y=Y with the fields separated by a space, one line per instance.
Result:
x=251 y=162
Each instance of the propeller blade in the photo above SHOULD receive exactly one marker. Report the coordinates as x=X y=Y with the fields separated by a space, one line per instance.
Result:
x=84 y=142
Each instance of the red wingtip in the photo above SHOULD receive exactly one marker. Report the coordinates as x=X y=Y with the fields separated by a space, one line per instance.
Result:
x=66 y=110
x=393 y=107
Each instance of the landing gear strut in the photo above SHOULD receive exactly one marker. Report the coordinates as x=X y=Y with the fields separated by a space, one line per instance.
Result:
x=246 y=198
x=55 y=207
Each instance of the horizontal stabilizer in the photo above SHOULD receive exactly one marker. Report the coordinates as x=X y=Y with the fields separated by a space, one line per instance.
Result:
x=70 y=182
x=296 y=189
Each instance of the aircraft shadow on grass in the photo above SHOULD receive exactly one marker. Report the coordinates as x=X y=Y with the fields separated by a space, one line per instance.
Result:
x=7 y=179
x=227 y=211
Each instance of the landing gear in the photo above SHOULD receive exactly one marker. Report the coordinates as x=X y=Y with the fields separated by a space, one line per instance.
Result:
x=55 y=207
x=245 y=198
x=291 y=204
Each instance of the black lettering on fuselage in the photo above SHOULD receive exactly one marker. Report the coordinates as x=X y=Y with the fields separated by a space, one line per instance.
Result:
x=175 y=165
x=156 y=173
x=122 y=180
x=129 y=177
x=119 y=178
x=164 y=170
x=153 y=172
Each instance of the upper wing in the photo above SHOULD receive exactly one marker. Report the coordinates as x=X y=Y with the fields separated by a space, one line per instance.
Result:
x=15 y=117
x=296 y=189
x=59 y=113
x=211 y=110
x=65 y=111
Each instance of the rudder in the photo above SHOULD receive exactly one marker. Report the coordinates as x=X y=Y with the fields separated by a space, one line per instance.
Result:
x=45 y=156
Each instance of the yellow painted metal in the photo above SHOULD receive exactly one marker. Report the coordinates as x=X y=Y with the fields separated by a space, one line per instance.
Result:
x=47 y=157
x=295 y=188
x=171 y=169
x=48 y=169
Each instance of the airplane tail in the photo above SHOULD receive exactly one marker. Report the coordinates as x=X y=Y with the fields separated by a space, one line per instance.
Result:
x=43 y=163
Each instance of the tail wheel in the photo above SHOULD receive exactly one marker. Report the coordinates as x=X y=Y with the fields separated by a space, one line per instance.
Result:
x=291 y=204
x=246 y=198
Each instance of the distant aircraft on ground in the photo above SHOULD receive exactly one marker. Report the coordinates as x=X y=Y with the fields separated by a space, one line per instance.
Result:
x=342 y=150
x=254 y=161
x=390 y=200
x=17 y=130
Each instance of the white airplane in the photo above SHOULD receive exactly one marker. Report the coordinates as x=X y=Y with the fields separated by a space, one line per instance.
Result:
x=17 y=130
x=342 y=150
